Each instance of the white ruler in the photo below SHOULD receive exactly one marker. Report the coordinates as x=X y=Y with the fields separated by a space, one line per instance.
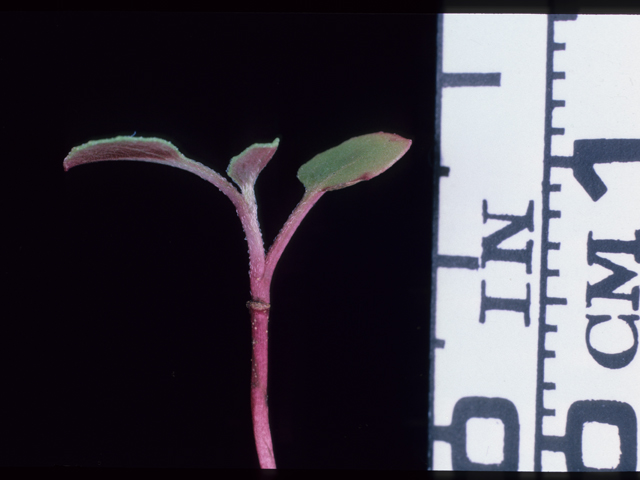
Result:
x=535 y=300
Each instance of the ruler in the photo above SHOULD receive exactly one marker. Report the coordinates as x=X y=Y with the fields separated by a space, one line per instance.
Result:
x=534 y=362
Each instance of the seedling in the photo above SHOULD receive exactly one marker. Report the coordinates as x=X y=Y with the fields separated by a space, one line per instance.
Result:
x=357 y=159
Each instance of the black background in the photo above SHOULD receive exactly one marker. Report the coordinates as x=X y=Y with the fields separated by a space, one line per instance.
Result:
x=125 y=338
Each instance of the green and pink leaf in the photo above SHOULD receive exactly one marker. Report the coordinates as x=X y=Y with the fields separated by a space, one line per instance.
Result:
x=154 y=150
x=357 y=159
x=245 y=168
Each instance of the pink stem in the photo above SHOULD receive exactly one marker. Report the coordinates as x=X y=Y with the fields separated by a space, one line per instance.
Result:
x=308 y=200
x=259 y=309
x=259 y=371
x=261 y=273
x=247 y=210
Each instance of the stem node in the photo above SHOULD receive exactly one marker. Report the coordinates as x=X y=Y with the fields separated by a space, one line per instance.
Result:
x=258 y=305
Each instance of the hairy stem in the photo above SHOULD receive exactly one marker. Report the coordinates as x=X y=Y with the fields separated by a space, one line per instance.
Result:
x=248 y=213
x=259 y=371
x=275 y=252
x=259 y=309
x=261 y=273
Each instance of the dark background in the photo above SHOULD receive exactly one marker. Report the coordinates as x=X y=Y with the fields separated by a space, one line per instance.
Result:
x=125 y=340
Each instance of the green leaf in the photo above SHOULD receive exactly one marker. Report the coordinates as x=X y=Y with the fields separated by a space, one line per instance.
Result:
x=353 y=161
x=245 y=168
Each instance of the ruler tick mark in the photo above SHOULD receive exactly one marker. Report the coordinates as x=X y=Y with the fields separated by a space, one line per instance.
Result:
x=555 y=301
x=458 y=261
x=470 y=79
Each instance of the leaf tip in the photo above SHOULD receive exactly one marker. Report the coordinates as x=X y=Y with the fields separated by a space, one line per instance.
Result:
x=71 y=160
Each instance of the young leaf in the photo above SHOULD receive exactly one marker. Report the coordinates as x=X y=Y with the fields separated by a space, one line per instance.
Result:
x=245 y=168
x=154 y=150
x=357 y=159
x=123 y=148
